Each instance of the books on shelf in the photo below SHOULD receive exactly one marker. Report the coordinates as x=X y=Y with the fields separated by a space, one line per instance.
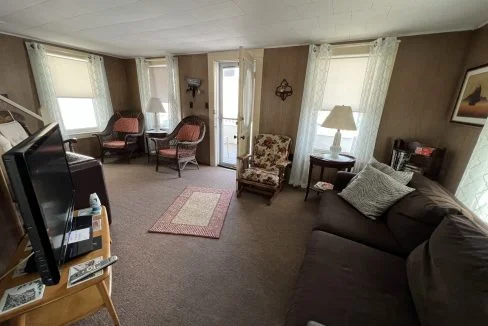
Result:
x=399 y=158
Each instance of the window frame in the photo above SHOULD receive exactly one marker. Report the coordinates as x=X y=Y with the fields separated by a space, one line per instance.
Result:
x=320 y=150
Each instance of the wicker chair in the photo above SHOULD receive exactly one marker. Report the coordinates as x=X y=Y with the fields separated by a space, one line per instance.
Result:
x=263 y=171
x=121 y=134
x=180 y=147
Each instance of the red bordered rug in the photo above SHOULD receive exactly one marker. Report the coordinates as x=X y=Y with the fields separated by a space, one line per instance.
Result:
x=197 y=211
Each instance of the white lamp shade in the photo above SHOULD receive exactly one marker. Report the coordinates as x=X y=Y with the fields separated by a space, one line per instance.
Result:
x=340 y=118
x=155 y=106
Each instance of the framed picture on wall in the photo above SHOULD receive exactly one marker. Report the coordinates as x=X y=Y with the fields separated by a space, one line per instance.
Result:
x=472 y=102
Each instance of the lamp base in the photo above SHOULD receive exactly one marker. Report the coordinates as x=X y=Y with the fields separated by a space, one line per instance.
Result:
x=336 y=149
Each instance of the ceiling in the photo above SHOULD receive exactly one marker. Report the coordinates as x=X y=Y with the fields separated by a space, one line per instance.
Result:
x=154 y=27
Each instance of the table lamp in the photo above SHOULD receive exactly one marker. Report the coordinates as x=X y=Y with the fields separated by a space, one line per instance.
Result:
x=155 y=106
x=339 y=118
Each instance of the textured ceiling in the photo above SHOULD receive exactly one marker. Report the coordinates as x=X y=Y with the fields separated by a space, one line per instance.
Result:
x=155 y=27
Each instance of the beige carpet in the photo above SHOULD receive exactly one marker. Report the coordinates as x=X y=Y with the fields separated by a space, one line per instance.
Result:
x=244 y=278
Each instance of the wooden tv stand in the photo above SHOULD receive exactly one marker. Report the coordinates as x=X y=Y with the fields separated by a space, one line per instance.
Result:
x=61 y=305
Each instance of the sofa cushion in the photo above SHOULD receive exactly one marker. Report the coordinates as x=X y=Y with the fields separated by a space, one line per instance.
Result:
x=338 y=217
x=338 y=286
x=261 y=176
x=448 y=274
x=372 y=192
x=413 y=218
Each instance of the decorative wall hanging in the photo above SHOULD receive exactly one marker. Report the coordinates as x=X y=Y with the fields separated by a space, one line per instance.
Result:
x=472 y=102
x=284 y=90
x=193 y=86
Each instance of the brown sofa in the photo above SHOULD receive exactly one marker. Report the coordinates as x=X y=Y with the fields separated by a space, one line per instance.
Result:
x=355 y=269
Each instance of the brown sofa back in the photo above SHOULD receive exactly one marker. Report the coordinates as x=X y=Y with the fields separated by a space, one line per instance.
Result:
x=413 y=219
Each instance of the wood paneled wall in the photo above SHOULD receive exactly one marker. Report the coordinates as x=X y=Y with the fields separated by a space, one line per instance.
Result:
x=424 y=78
x=196 y=66
x=277 y=116
x=458 y=138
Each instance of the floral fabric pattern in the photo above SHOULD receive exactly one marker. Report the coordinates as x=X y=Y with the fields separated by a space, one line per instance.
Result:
x=270 y=151
x=261 y=176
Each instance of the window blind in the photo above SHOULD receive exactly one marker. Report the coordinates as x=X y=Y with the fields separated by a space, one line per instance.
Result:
x=70 y=76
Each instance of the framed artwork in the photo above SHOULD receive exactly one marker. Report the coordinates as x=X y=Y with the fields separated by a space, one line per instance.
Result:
x=472 y=102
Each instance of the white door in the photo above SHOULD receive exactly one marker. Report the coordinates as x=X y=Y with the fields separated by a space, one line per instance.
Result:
x=246 y=103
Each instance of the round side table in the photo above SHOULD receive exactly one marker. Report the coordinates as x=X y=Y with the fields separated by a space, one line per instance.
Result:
x=151 y=134
x=342 y=162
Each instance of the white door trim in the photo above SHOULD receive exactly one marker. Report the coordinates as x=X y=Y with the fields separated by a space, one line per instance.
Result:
x=213 y=59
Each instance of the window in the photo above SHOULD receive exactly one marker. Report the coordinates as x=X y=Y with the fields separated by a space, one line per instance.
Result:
x=343 y=87
x=71 y=81
x=158 y=80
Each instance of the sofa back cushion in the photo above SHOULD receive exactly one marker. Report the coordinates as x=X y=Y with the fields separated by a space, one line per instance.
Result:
x=448 y=274
x=413 y=218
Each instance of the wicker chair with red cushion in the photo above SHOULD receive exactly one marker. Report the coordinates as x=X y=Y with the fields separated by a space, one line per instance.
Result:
x=122 y=133
x=180 y=147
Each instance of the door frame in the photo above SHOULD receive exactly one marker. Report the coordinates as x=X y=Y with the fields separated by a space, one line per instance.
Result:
x=213 y=59
x=220 y=115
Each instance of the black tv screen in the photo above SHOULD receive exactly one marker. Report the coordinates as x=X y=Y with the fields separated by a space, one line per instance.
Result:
x=43 y=189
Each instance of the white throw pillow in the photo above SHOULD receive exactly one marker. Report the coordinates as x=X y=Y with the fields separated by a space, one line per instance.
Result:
x=372 y=192
x=13 y=131
x=401 y=176
x=5 y=145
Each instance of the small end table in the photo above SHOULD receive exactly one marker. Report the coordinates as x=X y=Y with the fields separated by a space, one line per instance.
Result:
x=151 y=134
x=342 y=162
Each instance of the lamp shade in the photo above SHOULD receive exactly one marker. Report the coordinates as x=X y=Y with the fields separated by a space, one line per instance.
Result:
x=155 y=106
x=340 y=118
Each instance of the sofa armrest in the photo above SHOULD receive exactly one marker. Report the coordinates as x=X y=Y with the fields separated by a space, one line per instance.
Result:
x=342 y=180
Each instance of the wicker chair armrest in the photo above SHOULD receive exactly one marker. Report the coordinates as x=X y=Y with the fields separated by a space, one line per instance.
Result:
x=70 y=143
x=130 y=136
x=162 y=142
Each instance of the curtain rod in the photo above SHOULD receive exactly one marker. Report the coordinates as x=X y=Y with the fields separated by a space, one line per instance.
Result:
x=349 y=45
x=21 y=108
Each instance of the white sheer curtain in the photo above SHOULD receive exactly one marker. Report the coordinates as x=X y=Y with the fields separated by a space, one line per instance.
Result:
x=377 y=79
x=174 y=109
x=143 y=81
x=312 y=102
x=102 y=102
x=44 y=84
x=473 y=188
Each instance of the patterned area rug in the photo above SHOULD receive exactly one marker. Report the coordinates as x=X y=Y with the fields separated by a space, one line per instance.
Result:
x=197 y=211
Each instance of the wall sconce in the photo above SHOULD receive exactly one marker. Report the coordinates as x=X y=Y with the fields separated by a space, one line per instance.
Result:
x=284 y=90
x=193 y=86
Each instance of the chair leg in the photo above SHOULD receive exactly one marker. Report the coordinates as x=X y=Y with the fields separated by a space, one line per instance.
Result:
x=157 y=162
x=102 y=157
x=129 y=155
x=240 y=188
x=179 y=169
x=272 y=197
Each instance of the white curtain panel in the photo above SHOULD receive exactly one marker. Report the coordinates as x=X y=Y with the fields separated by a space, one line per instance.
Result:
x=143 y=81
x=102 y=102
x=312 y=102
x=473 y=188
x=174 y=108
x=377 y=79
x=44 y=84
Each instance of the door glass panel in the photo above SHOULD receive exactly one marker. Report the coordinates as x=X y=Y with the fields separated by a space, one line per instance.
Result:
x=229 y=91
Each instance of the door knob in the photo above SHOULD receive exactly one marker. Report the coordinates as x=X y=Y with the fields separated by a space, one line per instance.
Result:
x=243 y=137
x=235 y=136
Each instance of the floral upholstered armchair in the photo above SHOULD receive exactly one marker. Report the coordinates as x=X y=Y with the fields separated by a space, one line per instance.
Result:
x=122 y=133
x=263 y=171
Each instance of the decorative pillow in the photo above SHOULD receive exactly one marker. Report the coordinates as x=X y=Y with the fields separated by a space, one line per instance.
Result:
x=5 y=145
x=401 y=176
x=188 y=133
x=372 y=192
x=448 y=274
x=14 y=132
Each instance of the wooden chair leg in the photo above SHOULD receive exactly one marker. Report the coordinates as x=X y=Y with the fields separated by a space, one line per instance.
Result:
x=102 y=157
x=157 y=162
x=272 y=197
x=102 y=288
x=240 y=188
x=179 y=169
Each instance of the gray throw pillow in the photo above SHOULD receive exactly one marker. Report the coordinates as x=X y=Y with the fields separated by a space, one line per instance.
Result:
x=372 y=192
x=401 y=176
x=448 y=274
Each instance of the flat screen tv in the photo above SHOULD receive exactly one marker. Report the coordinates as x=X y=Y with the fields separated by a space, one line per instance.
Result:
x=43 y=190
